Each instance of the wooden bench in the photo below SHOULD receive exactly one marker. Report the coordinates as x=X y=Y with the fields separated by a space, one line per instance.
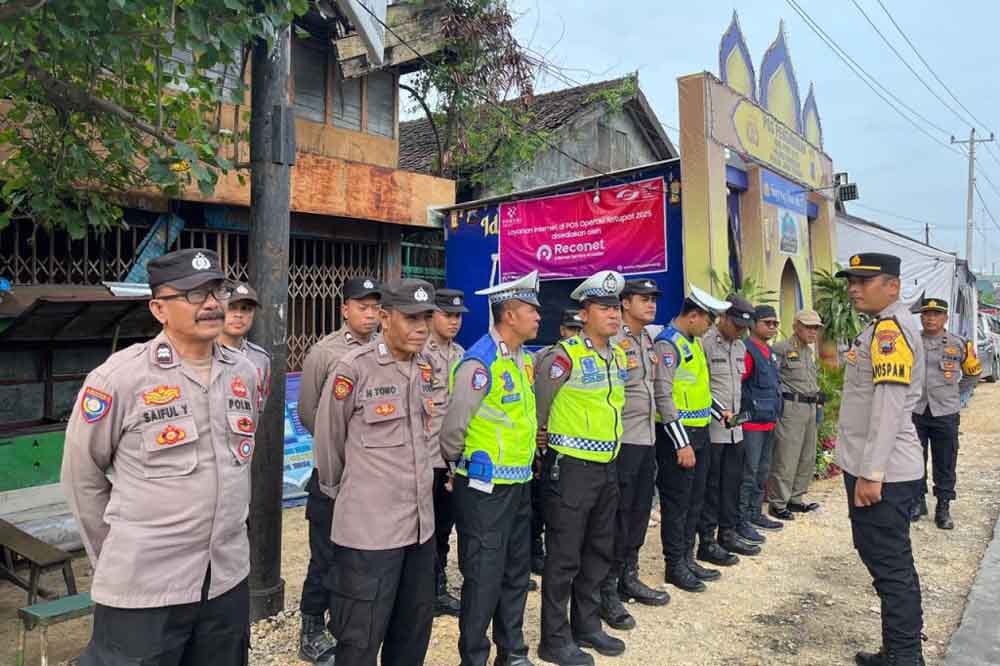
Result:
x=47 y=614
x=18 y=545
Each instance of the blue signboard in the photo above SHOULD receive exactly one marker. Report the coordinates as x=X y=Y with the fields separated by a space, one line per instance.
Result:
x=782 y=193
x=298 y=444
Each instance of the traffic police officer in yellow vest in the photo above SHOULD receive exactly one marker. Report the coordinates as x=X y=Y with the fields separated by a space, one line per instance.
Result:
x=878 y=450
x=489 y=436
x=951 y=363
x=239 y=320
x=684 y=401
x=156 y=470
x=636 y=460
x=581 y=393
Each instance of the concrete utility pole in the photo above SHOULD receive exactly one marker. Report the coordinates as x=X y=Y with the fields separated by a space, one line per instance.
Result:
x=272 y=152
x=969 y=228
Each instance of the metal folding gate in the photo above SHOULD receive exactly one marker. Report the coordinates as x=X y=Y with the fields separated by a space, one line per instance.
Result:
x=318 y=268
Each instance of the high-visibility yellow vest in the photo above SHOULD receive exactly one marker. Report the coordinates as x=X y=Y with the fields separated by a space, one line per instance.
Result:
x=692 y=386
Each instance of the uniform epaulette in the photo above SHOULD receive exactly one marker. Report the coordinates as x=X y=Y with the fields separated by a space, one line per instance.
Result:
x=258 y=348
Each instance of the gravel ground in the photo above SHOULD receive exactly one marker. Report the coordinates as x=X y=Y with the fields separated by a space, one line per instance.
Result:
x=806 y=600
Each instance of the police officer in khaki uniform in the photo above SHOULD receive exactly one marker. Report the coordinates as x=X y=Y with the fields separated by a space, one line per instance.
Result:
x=878 y=450
x=951 y=366
x=636 y=460
x=156 y=470
x=375 y=460
x=569 y=325
x=445 y=354
x=359 y=314
x=718 y=541
x=489 y=434
x=239 y=320
x=794 y=461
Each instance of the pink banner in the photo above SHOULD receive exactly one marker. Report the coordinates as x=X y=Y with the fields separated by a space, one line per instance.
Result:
x=574 y=235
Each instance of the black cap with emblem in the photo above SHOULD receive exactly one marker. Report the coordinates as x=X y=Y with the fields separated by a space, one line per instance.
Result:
x=571 y=319
x=409 y=296
x=869 y=264
x=933 y=305
x=362 y=287
x=643 y=287
x=185 y=269
x=451 y=300
x=244 y=292
x=740 y=311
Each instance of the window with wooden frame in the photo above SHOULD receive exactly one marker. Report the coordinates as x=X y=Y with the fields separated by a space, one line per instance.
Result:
x=347 y=101
x=309 y=63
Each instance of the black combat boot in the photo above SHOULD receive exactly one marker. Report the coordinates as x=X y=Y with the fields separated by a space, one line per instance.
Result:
x=710 y=551
x=505 y=658
x=679 y=575
x=444 y=602
x=602 y=642
x=565 y=655
x=612 y=610
x=870 y=658
x=316 y=645
x=731 y=541
x=631 y=587
x=700 y=572
x=942 y=515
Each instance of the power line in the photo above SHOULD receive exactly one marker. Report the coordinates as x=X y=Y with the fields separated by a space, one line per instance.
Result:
x=928 y=65
x=905 y=62
x=986 y=208
x=870 y=81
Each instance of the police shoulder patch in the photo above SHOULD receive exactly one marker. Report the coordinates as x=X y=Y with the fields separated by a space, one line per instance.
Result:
x=480 y=379
x=669 y=355
x=560 y=366
x=94 y=404
x=892 y=356
x=342 y=387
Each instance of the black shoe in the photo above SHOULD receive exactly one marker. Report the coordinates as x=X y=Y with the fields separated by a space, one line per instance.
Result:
x=730 y=540
x=870 y=658
x=942 y=515
x=762 y=522
x=781 y=514
x=679 y=575
x=565 y=655
x=444 y=602
x=750 y=535
x=532 y=585
x=612 y=610
x=603 y=643
x=505 y=658
x=316 y=645
x=713 y=553
x=631 y=587
x=700 y=572
x=803 y=508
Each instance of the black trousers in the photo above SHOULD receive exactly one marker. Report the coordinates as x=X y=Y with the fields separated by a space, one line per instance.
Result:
x=580 y=507
x=444 y=520
x=682 y=492
x=382 y=599
x=210 y=631
x=939 y=434
x=721 y=509
x=494 y=554
x=636 y=480
x=537 y=516
x=882 y=538
x=319 y=513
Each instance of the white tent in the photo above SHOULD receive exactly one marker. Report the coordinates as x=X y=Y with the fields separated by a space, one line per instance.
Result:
x=925 y=270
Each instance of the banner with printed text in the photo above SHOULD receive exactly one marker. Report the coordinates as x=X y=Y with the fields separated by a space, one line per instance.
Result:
x=621 y=228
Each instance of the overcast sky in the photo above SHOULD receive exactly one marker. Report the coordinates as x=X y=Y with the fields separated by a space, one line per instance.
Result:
x=897 y=168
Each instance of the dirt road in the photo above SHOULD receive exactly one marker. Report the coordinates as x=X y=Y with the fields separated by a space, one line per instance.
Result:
x=806 y=600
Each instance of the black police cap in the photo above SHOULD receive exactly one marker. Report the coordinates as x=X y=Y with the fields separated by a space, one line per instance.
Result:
x=409 y=296
x=362 y=287
x=451 y=300
x=185 y=269
x=869 y=264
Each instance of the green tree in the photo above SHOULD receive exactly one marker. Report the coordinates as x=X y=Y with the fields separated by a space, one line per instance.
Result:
x=749 y=288
x=97 y=103
x=841 y=323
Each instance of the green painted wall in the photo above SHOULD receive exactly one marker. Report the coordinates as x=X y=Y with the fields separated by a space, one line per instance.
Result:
x=30 y=460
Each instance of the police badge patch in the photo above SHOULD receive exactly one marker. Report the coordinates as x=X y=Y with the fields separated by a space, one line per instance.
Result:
x=480 y=379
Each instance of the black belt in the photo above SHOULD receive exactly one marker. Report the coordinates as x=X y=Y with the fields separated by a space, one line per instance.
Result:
x=796 y=397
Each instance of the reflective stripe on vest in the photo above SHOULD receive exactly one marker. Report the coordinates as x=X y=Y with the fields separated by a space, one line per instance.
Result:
x=585 y=421
x=504 y=426
x=692 y=391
